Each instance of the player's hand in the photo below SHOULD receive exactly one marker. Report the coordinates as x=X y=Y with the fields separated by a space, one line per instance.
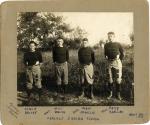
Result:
x=93 y=63
x=118 y=56
x=106 y=57
x=26 y=65
x=37 y=63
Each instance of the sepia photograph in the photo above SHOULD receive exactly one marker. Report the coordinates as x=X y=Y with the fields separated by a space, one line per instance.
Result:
x=74 y=62
x=75 y=59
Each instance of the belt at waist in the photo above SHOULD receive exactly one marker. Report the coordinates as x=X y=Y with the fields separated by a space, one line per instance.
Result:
x=113 y=59
x=56 y=63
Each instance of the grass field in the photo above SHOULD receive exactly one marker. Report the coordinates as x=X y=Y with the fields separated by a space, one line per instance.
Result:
x=100 y=81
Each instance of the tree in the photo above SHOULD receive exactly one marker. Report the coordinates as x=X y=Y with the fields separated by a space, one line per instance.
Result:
x=102 y=42
x=75 y=37
x=44 y=28
x=131 y=35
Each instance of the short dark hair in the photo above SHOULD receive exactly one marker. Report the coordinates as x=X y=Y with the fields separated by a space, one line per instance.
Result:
x=60 y=38
x=111 y=33
x=84 y=39
x=32 y=42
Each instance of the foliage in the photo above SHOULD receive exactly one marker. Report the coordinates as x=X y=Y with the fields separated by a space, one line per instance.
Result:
x=44 y=29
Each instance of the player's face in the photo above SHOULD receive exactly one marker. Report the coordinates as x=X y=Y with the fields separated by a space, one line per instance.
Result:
x=32 y=47
x=60 y=42
x=111 y=37
x=85 y=43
